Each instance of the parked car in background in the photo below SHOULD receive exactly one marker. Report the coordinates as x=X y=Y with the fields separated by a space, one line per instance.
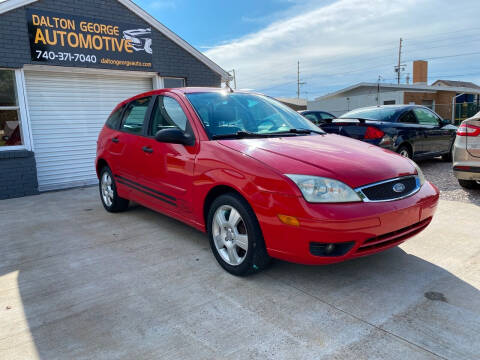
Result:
x=317 y=117
x=259 y=178
x=466 y=153
x=413 y=131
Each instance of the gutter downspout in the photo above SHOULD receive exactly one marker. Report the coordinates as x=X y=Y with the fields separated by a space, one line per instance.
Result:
x=453 y=106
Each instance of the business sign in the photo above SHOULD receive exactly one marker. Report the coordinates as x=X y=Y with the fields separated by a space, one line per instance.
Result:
x=74 y=40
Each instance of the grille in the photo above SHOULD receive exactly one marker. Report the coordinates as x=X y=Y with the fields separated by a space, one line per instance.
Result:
x=393 y=237
x=384 y=191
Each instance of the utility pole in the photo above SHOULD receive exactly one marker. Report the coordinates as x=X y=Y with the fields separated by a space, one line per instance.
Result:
x=399 y=60
x=378 y=89
x=400 y=66
x=298 y=80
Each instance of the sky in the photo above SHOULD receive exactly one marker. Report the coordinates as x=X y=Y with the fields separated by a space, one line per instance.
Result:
x=337 y=42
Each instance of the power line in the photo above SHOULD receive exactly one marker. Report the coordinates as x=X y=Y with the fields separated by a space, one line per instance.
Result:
x=340 y=64
x=443 y=33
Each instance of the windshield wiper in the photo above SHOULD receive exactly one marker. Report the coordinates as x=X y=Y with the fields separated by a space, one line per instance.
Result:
x=247 y=134
x=303 y=131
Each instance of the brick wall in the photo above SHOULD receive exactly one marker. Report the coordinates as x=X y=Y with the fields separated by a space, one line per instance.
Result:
x=18 y=174
x=169 y=59
x=442 y=99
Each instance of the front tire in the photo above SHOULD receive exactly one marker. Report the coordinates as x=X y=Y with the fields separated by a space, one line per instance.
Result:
x=108 y=192
x=235 y=236
x=469 y=184
x=405 y=152
x=448 y=156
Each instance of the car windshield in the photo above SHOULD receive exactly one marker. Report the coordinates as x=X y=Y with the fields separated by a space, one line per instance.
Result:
x=379 y=113
x=225 y=113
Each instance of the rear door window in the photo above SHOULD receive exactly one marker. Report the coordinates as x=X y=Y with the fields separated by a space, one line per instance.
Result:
x=408 y=118
x=326 y=116
x=134 y=116
x=114 y=120
x=312 y=118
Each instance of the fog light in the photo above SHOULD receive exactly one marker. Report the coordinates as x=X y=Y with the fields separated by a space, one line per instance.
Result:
x=329 y=249
x=289 y=220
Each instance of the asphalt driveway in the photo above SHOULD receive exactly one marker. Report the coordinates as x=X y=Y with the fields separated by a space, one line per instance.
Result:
x=77 y=282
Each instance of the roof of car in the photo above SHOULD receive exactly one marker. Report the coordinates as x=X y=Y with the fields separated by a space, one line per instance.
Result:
x=182 y=90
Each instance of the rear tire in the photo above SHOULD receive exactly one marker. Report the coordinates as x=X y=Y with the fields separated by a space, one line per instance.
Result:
x=469 y=184
x=108 y=192
x=405 y=151
x=235 y=236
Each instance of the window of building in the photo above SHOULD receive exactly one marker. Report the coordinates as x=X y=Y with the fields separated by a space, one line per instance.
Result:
x=389 y=102
x=10 y=131
x=135 y=116
x=172 y=82
x=428 y=103
x=167 y=114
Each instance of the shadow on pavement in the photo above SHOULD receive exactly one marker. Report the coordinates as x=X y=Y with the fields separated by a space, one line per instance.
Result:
x=76 y=282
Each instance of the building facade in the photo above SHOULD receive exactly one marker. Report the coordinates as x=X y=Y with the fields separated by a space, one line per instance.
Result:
x=443 y=96
x=64 y=65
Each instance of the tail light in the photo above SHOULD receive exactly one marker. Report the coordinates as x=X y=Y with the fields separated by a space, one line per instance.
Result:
x=373 y=133
x=468 y=130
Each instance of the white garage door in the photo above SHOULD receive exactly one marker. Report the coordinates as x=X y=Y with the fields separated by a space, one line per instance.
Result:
x=67 y=111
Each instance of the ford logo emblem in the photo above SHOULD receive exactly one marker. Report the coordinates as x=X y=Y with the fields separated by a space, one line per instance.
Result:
x=399 y=187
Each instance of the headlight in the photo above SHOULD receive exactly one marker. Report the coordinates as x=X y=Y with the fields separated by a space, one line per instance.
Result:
x=323 y=190
x=421 y=177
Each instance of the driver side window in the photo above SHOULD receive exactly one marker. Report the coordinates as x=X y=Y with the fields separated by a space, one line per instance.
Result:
x=167 y=113
x=426 y=117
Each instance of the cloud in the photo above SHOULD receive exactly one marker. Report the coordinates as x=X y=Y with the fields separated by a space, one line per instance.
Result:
x=346 y=41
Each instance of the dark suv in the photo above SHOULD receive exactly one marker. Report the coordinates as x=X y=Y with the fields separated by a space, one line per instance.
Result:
x=413 y=131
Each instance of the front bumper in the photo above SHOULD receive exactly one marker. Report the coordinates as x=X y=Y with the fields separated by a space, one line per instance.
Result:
x=370 y=227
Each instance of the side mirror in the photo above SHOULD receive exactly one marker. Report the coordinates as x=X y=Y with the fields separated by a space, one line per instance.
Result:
x=444 y=122
x=174 y=136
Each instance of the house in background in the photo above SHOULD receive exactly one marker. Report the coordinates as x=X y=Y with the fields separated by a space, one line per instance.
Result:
x=466 y=105
x=294 y=103
x=438 y=96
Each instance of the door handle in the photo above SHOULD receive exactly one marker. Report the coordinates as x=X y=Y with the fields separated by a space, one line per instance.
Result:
x=147 y=149
x=115 y=140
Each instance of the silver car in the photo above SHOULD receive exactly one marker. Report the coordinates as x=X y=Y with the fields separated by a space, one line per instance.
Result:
x=466 y=153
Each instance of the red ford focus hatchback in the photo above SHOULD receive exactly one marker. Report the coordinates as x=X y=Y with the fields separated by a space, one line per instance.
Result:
x=260 y=179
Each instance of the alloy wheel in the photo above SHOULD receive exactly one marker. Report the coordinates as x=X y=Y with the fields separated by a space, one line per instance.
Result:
x=230 y=235
x=404 y=153
x=107 y=190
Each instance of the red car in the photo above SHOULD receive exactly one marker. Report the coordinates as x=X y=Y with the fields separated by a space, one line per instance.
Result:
x=259 y=178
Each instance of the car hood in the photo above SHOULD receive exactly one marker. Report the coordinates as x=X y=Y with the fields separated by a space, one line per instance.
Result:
x=351 y=161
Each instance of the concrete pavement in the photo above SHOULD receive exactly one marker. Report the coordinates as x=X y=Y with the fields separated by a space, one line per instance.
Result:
x=77 y=282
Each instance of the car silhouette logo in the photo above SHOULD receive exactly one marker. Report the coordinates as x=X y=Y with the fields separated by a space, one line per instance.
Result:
x=140 y=39
x=398 y=187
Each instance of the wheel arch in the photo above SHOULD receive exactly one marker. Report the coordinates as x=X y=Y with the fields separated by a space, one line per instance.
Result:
x=215 y=192
x=101 y=163
x=406 y=144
